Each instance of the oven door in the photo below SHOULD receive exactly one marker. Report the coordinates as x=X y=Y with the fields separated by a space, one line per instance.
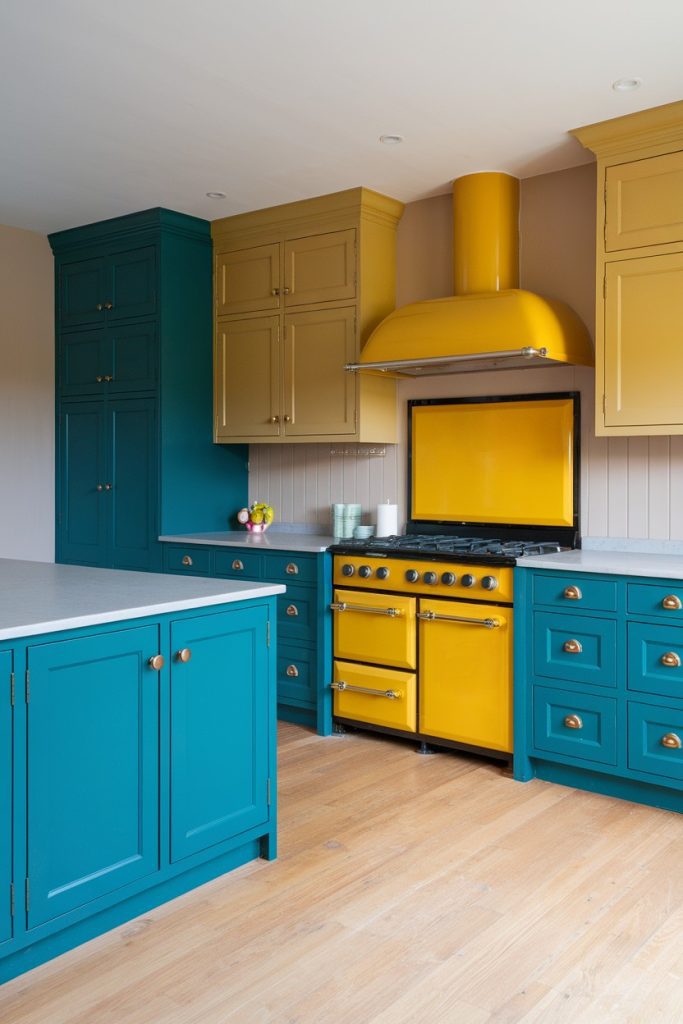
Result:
x=375 y=627
x=466 y=673
x=379 y=696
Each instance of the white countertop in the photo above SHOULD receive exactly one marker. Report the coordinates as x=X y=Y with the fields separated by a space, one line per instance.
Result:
x=40 y=597
x=271 y=540
x=621 y=563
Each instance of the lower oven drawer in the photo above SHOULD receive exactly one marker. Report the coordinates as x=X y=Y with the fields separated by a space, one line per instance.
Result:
x=379 y=696
x=376 y=627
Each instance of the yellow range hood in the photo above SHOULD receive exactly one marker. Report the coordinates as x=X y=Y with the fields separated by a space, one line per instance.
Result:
x=490 y=323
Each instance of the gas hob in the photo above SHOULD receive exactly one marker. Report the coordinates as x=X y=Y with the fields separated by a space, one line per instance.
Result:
x=449 y=548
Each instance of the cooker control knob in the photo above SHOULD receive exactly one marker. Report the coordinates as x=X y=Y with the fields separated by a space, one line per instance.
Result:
x=382 y=573
x=365 y=571
x=347 y=569
x=430 y=577
x=412 y=575
x=489 y=582
x=448 y=578
x=468 y=580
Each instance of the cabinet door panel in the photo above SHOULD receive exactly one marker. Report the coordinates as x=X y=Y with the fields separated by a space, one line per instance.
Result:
x=643 y=351
x=132 y=282
x=83 y=509
x=132 y=358
x=320 y=396
x=132 y=499
x=247 y=400
x=219 y=728
x=83 y=362
x=248 y=280
x=5 y=795
x=644 y=202
x=92 y=784
x=81 y=292
x=320 y=268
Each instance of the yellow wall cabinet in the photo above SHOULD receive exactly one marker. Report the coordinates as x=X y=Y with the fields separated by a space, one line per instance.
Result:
x=639 y=284
x=298 y=289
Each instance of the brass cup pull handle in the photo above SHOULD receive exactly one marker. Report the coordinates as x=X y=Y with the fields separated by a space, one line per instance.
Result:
x=292 y=569
x=238 y=565
x=671 y=659
x=572 y=647
x=573 y=593
x=292 y=671
x=184 y=655
x=156 y=662
x=672 y=603
x=671 y=741
x=573 y=722
x=187 y=560
x=292 y=610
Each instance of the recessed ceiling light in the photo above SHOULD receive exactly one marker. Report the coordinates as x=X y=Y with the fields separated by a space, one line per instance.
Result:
x=626 y=84
x=216 y=195
x=391 y=140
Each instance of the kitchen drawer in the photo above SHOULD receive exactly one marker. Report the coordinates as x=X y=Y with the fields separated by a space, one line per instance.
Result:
x=380 y=696
x=296 y=673
x=288 y=567
x=656 y=599
x=647 y=728
x=575 y=647
x=194 y=561
x=655 y=659
x=578 y=725
x=379 y=628
x=575 y=593
x=239 y=564
x=296 y=614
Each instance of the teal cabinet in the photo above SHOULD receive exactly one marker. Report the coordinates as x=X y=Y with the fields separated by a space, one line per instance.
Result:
x=133 y=323
x=6 y=703
x=93 y=768
x=219 y=729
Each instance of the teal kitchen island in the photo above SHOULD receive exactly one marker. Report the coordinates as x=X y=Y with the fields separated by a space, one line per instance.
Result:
x=137 y=745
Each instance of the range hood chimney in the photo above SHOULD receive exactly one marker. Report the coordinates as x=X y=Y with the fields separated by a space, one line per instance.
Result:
x=490 y=323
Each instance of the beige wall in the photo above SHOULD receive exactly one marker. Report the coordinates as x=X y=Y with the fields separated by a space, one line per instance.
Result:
x=27 y=508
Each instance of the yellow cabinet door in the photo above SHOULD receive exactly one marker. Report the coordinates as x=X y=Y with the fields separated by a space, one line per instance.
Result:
x=248 y=280
x=320 y=268
x=644 y=202
x=466 y=673
x=319 y=394
x=380 y=696
x=379 y=628
x=246 y=376
x=643 y=356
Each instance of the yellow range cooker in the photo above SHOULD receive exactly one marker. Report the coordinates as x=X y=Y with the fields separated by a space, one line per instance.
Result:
x=423 y=623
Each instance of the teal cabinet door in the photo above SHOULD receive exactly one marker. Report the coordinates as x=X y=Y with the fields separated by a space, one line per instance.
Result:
x=132 y=284
x=81 y=363
x=219 y=728
x=92 y=777
x=83 y=502
x=108 y=361
x=81 y=287
x=133 y=484
x=5 y=795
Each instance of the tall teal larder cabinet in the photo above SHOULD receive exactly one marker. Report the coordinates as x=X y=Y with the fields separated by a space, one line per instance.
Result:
x=135 y=452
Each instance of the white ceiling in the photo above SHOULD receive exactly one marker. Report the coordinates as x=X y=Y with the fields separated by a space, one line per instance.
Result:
x=109 y=107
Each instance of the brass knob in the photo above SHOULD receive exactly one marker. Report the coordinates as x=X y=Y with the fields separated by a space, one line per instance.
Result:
x=671 y=659
x=285 y=291
x=287 y=419
x=275 y=291
x=572 y=593
x=572 y=647
x=109 y=487
x=100 y=487
x=108 y=377
x=99 y=307
x=238 y=565
x=99 y=379
x=292 y=610
x=156 y=662
x=274 y=419
x=671 y=741
x=292 y=670
x=573 y=722
x=184 y=654
x=108 y=305
x=292 y=568
x=672 y=603
x=187 y=560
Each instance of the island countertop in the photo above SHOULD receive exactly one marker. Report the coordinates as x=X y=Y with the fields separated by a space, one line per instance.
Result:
x=620 y=563
x=41 y=597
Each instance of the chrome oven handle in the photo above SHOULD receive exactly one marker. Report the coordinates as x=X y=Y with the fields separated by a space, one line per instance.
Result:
x=342 y=606
x=434 y=617
x=389 y=694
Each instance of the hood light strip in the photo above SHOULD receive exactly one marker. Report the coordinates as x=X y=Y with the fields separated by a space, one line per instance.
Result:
x=435 y=361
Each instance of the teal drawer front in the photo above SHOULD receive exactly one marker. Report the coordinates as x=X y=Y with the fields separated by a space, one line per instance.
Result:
x=655 y=659
x=576 y=725
x=655 y=736
x=290 y=567
x=296 y=614
x=295 y=673
x=575 y=647
x=239 y=564
x=194 y=561
x=656 y=599
x=575 y=593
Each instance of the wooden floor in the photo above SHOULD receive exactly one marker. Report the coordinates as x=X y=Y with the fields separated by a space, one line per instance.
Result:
x=416 y=889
